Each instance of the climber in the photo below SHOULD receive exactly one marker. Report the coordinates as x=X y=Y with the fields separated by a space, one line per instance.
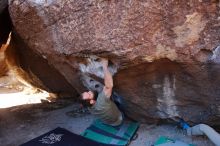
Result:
x=202 y=129
x=101 y=104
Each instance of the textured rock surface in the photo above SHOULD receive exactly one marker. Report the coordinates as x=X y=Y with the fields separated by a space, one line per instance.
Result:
x=136 y=36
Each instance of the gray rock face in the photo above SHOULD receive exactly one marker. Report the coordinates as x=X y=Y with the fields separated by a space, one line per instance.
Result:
x=164 y=54
x=165 y=89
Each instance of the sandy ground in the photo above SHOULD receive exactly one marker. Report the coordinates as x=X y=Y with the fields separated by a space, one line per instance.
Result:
x=19 y=124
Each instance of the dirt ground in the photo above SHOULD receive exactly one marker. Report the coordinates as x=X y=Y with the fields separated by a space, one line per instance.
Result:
x=19 y=124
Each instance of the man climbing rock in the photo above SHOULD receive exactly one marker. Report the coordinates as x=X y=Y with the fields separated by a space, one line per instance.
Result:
x=101 y=104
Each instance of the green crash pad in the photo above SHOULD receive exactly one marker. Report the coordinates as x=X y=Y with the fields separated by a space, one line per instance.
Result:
x=116 y=135
x=164 y=141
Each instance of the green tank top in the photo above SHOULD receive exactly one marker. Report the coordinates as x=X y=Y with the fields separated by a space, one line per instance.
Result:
x=106 y=110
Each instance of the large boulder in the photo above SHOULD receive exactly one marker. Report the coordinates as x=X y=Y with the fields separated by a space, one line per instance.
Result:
x=164 y=54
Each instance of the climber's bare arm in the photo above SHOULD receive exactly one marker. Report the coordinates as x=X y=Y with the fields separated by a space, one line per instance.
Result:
x=108 y=80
